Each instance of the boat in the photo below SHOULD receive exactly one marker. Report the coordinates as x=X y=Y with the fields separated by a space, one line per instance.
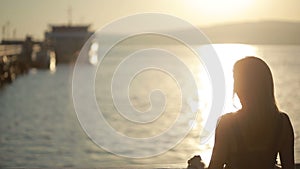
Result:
x=66 y=41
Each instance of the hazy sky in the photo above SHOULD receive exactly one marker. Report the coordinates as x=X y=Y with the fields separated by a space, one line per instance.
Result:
x=33 y=16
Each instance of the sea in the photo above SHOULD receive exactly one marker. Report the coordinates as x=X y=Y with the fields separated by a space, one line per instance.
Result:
x=42 y=125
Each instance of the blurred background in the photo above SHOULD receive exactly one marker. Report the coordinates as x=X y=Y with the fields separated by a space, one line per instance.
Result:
x=41 y=40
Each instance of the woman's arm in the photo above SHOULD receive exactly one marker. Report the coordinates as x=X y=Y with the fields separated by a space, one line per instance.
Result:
x=220 y=149
x=286 y=151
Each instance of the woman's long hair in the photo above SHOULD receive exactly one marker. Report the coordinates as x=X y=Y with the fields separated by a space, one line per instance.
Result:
x=253 y=83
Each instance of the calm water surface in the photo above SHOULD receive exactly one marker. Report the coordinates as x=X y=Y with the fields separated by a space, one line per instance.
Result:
x=39 y=126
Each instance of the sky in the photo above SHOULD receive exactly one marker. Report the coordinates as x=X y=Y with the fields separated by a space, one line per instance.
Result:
x=33 y=17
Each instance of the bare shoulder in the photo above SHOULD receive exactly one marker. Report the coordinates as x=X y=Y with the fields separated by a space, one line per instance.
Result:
x=226 y=119
x=284 y=115
x=287 y=125
x=285 y=118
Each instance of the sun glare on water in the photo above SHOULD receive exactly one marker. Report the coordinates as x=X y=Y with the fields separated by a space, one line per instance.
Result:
x=228 y=55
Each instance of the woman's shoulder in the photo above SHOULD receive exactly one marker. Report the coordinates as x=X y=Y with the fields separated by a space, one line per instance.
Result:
x=227 y=119
x=284 y=115
x=285 y=120
x=287 y=131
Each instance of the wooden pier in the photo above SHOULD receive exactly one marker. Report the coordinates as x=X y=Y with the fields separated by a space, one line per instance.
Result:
x=14 y=60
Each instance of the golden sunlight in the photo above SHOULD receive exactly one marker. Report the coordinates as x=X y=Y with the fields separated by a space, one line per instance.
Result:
x=228 y=55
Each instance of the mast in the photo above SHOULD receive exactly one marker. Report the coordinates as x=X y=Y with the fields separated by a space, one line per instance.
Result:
x=70 y=16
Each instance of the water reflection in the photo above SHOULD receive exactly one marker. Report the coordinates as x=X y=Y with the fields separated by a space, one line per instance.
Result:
x=93 y=57
x=39 y=126
x=52 y=64
x=229 y=54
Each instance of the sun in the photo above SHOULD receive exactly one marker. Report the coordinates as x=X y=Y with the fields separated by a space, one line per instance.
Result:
x=220 y=7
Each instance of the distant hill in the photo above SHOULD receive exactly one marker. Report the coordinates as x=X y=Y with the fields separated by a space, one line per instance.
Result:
x=267 y=32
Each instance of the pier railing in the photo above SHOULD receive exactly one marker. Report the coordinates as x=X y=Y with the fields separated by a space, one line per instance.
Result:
x=12 y=63
x=10 y=50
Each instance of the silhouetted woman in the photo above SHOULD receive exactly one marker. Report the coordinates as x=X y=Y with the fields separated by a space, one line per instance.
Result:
x=252 y=137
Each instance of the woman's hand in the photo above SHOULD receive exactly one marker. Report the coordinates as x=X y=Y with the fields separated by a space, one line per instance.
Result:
x=195 y=163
